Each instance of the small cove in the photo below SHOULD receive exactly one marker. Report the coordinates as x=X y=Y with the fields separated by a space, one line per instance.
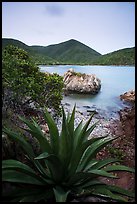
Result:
x=115 y=80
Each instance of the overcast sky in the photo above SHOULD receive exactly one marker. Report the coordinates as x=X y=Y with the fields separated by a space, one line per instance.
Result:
x=103 y=26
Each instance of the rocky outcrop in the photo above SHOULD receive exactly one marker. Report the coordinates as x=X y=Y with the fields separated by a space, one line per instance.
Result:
x=128 y=96
x=76 y=82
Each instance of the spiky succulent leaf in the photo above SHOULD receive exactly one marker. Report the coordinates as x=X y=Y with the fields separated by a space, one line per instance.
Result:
x=20 y=177
x=21 y=140
x=60 y=194
x=53 y=130
x=36 y=132
x=54 y=165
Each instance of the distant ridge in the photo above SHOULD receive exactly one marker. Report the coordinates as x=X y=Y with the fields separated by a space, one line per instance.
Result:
x=124 y=56
x=73 y=52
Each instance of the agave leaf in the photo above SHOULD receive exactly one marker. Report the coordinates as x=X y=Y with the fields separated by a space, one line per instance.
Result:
x=88 y=132
x=83 y=134
x=75 y=159
x=75 y=162
x=121 y=191
x=53 y=130
x=20 y=177
x=65 y=151
x=68 y=117
x=119 y=168
x=26 y=147
x=18 y=138
x=42 y=170
x=77 y=135
x=71 y=123
x=99 y=172
x=36 y=131
x=85 y=146
x=104 y=192
x=82 y=176
x=17 y=165
x=60 y=194
x=89 y=166
x=101 y=163
x=90 y=183
x=54 y=165
x=94 y=149
x=78 y=178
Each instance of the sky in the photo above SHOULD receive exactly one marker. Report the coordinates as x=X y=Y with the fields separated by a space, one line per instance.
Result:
x=103 y=26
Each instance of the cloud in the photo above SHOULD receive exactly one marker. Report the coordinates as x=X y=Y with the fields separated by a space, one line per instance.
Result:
x=54 y=10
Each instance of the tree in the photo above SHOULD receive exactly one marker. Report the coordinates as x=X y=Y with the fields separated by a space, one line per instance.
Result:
x=23 y=83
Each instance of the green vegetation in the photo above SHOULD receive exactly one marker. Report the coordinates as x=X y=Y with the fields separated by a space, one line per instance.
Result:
x=66 y=166
x=73 y=52
x=23 y=83
x=69 y=52
x=120 y=57
x=115 y=152
x=79 y=74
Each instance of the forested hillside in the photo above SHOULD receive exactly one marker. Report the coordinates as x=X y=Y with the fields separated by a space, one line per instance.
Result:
x=73 y=52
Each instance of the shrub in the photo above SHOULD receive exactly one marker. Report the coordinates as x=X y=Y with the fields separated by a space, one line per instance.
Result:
x=66 y=166
x=23 y=83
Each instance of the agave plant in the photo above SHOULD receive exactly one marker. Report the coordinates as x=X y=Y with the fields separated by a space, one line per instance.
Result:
x=66 y=166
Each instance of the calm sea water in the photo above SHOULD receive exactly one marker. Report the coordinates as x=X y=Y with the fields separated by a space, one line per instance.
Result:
x=115 y=80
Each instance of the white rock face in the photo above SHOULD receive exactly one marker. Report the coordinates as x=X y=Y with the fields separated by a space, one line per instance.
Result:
x=81 y=83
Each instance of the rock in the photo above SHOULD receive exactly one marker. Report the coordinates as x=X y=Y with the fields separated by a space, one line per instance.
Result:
x=128 y=96
x=45 y=128
x=86 y=106
x=76 y=82
x=92 y=111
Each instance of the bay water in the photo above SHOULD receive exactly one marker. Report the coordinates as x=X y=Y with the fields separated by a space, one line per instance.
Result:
x=115 y=80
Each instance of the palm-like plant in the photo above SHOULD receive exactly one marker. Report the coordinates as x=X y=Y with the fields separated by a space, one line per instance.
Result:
x=67 y=163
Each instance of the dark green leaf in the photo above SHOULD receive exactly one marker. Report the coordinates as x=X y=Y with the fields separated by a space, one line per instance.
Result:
x=54 y=134
x=36 y=131
x=19 y=177
x=60 y=194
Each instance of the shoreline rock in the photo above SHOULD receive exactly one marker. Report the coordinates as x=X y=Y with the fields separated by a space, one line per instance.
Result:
x=128 y=96
x=76 y=82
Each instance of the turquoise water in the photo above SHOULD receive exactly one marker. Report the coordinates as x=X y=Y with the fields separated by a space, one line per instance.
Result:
x=115 y=80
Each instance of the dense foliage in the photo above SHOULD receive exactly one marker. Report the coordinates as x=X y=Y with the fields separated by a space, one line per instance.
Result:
x=23 y=83
x=120 y=57
x=74 y=52
x=66 y=166
x=69 y=52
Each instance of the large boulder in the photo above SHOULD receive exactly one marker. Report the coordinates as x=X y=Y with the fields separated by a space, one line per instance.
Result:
x=76 y=82
x=128 y=96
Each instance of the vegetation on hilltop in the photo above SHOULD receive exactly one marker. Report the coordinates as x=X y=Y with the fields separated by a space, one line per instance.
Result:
x=69 y=52
x=121 y=57
x=73 y=52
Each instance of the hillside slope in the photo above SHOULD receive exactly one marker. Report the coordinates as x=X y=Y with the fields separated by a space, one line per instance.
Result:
x=69 y=52
x=120 y=57
x=37 y=54
x=73 y=52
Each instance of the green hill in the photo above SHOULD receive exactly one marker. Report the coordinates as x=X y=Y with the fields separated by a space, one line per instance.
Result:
x=73 y=52
x=69 y=52
x=37 y=55
x=120 y=57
